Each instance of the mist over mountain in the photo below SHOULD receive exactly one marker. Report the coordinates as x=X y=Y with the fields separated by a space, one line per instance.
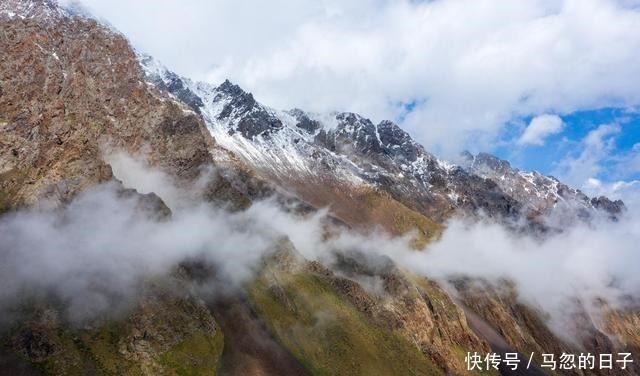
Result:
x=153 y=224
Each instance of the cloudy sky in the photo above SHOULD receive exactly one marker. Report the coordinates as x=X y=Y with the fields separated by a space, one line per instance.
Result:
x=549 y=85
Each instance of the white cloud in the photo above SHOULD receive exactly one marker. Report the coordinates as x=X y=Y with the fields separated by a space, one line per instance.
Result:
x=95 y=252
x=630 y=162
x=540 y=128
x=596 y=149
x=74 y=254
x=584 y=262
x=472 y=64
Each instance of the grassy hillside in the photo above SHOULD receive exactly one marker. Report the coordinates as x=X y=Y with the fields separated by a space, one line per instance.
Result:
x=327 y=334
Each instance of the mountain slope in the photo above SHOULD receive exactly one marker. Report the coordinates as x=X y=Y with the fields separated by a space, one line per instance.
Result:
x=73 y=90
x=296 y=149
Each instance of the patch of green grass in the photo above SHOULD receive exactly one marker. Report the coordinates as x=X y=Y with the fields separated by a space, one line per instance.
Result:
x=101 y=347
x=4 y=201
x=98 y=352
x=424 y=229
x=80 y=352
x=68 y=359
x=328 y=335
x=401 y=219
x=199 y=354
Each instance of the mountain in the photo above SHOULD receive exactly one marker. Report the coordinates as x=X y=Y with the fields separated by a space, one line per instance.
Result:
x=73 y=90
x=305 y=151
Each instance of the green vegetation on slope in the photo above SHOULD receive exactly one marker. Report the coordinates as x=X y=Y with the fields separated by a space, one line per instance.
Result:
x=199 y=354
x=64 y=351
x=164 y=334
x=327 y=334
x=401 y=219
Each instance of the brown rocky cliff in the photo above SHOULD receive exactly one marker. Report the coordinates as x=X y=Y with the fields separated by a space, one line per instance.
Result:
x=71 y=88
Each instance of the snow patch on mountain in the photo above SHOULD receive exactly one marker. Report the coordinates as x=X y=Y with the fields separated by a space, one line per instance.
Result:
x=38 y=9
x=294 y=144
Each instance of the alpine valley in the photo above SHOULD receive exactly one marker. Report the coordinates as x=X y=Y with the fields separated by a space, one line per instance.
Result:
x=89 y=125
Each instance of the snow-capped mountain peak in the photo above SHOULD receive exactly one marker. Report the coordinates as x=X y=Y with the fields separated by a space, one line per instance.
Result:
x=295 y=147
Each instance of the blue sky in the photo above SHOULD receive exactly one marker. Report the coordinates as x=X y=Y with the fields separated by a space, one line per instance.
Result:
x=548 y=157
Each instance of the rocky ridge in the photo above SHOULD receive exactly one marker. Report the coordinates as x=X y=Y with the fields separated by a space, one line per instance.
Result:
x=71 y=89
x=292 y=146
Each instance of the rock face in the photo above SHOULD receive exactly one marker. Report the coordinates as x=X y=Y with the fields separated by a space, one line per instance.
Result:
x=72 y=91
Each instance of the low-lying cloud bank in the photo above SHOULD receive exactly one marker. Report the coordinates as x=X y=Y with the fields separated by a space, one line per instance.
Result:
x=97 y=251
x=561 y=275
x=582 y=263
x=95 y=254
